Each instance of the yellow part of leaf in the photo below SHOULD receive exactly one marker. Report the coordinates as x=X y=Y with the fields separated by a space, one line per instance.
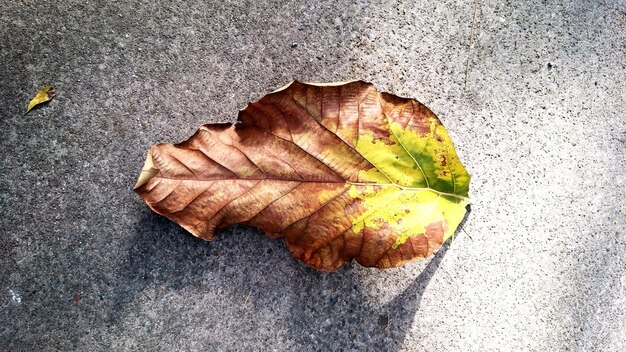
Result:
x=420 y=181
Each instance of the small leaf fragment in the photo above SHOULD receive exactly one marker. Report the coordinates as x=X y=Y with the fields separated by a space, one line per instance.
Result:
x=44 y=95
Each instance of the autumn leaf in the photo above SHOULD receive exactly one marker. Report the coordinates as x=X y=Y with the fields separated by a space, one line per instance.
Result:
x=45 y=94
x=340 y=171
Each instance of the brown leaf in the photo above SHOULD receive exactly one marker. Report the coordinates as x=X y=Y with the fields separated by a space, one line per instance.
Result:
x=340 y=171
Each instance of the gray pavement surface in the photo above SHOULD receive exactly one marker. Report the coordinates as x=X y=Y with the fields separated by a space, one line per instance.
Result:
x=540 y=123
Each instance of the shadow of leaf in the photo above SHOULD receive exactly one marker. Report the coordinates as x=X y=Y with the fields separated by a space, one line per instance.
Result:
x=332 y=313
x=316 y=311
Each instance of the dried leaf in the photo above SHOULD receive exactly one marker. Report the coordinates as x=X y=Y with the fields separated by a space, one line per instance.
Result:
x=45 y=94
x=340 y=171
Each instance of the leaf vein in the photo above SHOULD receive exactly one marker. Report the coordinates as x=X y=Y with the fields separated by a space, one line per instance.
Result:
x=348 y=144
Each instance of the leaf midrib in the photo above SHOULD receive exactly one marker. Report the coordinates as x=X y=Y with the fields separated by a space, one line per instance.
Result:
x=305 y=181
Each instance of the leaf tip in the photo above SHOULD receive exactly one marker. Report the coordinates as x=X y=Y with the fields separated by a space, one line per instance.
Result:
x=147 y=172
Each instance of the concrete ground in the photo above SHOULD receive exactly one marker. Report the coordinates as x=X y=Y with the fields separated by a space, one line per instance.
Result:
x=535 y=105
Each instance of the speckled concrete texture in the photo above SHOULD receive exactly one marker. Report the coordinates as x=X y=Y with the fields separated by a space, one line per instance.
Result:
x=540 y=264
